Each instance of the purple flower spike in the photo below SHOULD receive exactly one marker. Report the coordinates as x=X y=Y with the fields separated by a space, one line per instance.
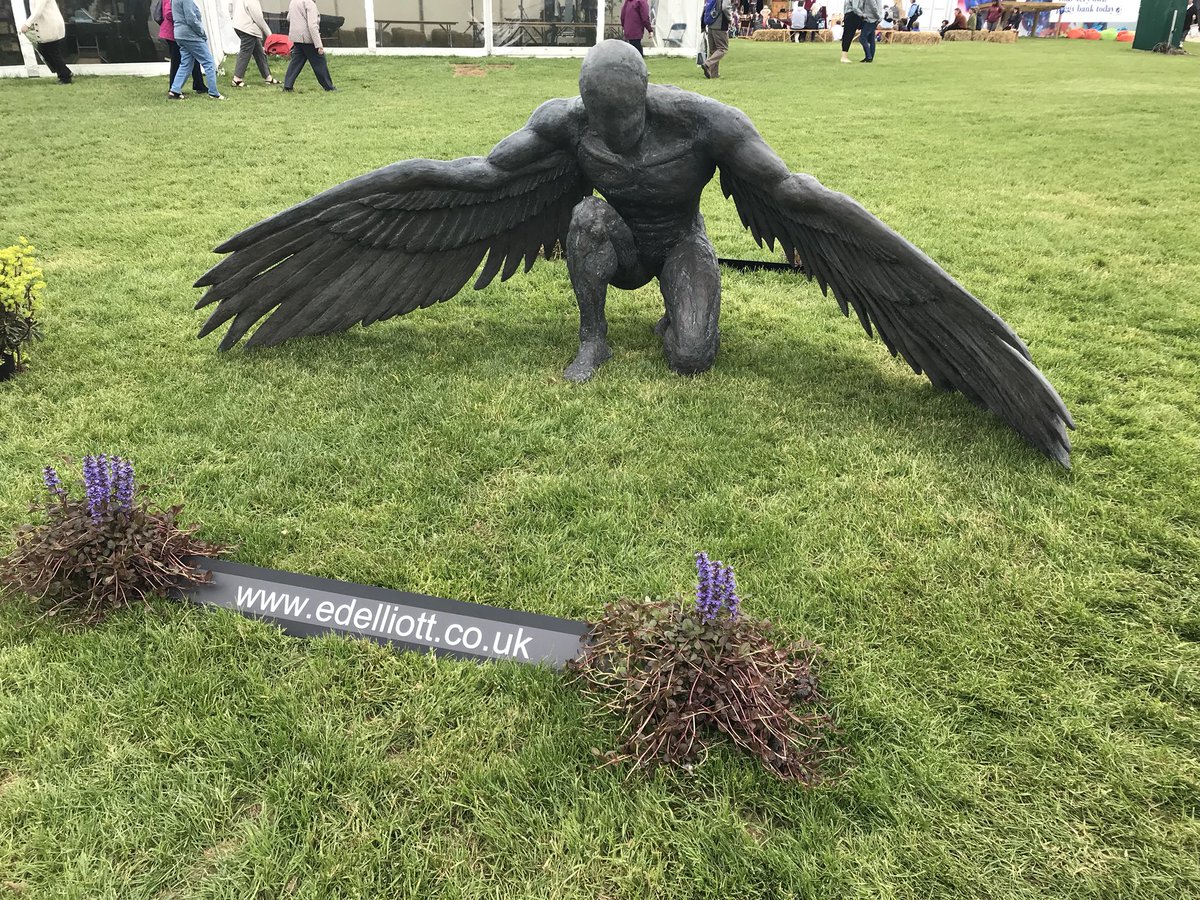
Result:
x=716 y=589
x=730 y=599
x=708 y=598
x=124 y=483
x=721 y=580
x=106 y=485
x=96 y=485
x=53 y=482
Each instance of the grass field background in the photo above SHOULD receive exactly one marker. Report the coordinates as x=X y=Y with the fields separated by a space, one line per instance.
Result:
x=1011 y=648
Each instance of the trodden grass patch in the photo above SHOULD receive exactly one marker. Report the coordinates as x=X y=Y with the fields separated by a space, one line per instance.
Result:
x=1010 y=648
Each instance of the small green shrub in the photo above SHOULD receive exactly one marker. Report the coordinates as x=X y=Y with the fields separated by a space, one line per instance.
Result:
x=682 y=675
x=99 y=553
x=21 y=288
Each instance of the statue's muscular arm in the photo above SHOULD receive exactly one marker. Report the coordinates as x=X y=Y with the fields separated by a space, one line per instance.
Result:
x=736 y=146
x=554 y=126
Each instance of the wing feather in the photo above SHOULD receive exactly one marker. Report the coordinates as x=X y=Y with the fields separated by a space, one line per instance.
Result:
x=398 y=239
x=919 y=311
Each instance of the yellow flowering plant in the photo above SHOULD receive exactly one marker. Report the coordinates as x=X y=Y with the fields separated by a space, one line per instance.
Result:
x=21 y=288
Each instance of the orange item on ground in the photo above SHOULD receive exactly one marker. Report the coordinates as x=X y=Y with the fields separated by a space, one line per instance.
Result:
x=1091 y=35
x=1125 y=37
x=1075 y=34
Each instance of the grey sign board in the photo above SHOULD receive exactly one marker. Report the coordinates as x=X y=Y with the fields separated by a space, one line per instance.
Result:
x=306 y=606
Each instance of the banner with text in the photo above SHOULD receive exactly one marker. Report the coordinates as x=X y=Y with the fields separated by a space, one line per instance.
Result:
x=306 y=606
x=1089 y=11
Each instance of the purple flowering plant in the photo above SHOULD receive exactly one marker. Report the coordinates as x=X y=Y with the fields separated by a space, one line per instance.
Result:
x=102 y=551
x=684 y=676
x=716 y=589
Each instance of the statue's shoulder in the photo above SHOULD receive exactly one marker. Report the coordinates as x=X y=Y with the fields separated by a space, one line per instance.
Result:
x=669 y=100
x=559 y=117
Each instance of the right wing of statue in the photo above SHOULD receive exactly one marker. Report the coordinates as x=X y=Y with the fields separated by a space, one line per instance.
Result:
x=918 y=310
x=397 y=239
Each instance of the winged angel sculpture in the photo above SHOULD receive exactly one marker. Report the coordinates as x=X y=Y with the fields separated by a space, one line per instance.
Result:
x=411 y=234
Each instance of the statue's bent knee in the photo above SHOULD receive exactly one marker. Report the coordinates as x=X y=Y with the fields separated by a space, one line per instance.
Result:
x=690 y=354
x=592 y=219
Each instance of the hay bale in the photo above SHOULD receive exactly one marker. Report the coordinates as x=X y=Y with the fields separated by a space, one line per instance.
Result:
x=914 y=37
x=958 y=36
x=771 y=34
x=1001 y=37
x=403 y=37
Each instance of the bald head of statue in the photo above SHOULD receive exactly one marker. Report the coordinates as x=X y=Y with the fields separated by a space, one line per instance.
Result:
x=612 y=83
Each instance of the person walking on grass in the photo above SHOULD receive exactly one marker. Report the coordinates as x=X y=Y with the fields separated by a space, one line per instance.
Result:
x=718 y=40
x=635 y=22
x=862 y=16
x=871 y=12
x=304 y=29
x=193 y=47
x=251 y=28
x=166 y=33
x=914 y=16
x=46 y=28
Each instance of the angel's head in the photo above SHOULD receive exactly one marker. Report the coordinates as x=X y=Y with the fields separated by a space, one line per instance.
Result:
x=612 y=83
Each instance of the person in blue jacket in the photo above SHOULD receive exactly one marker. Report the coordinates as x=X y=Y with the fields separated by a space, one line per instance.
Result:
x=193 y=46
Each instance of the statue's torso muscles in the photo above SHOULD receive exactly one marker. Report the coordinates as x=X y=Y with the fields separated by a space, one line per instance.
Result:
x=655 y=187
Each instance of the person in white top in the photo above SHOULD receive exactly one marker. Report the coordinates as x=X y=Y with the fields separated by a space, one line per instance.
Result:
x=252 y=28
x=304 y=29
x=46 y=28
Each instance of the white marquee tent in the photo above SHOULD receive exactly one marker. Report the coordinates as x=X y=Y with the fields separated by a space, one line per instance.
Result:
x=501 y=27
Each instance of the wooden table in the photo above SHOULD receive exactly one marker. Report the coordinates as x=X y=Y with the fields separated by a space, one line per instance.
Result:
x=537 y=32
x=381 y=24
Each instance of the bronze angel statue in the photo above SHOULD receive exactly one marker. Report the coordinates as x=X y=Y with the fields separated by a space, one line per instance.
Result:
x=413 y=233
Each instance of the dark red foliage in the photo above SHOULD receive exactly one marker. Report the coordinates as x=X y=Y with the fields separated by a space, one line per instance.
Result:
x=88 y=567
x=680 y=683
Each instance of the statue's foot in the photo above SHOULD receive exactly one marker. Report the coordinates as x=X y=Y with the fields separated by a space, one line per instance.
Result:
x=587 y=361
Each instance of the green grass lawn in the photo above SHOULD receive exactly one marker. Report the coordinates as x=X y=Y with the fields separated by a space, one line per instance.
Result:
x=1011 y=648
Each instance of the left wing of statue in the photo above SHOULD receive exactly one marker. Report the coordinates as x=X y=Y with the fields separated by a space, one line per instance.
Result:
x=919 y=311
x=397 y=239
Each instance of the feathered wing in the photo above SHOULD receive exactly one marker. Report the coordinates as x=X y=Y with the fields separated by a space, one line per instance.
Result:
x=919 y=311
x=403 y=237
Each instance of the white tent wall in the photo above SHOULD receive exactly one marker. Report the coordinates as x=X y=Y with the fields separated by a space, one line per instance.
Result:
x=218 y=25
x=667 y=13
x=932 y=11
x=218 y=22
x=935 y=12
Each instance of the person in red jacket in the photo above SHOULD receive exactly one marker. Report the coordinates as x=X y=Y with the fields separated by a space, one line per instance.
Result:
x=635 y=22
x=994 y=14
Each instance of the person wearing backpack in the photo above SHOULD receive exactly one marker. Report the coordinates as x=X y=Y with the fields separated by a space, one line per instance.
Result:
x=46 y=28
x=914 y=17
x=716 y=17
